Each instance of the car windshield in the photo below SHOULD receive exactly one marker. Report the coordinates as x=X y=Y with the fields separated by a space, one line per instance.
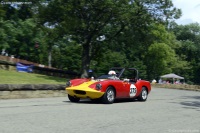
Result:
x=104 y=77
x=129 y=73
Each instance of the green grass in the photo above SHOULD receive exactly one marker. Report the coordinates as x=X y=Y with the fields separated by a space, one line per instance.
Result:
x=14 y=77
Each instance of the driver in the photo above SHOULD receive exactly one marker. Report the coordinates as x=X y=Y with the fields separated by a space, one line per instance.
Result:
x=112 y=74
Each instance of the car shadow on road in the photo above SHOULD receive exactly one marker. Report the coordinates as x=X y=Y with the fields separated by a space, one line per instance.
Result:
x=84 y=101
x=87 y=101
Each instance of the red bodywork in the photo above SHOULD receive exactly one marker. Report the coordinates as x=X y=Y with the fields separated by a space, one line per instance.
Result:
x=121 y=87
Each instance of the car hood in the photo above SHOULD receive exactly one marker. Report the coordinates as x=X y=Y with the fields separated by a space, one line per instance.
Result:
x=83 y=84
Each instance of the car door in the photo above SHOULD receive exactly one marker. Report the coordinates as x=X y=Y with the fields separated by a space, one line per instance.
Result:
x=119 y=86
x=130 y=90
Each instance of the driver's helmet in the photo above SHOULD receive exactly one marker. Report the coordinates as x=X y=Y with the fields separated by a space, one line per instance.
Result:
x=111 y=72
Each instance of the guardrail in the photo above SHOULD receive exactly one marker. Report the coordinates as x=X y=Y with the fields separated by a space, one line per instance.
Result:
x=11 y=60
x=9 y=63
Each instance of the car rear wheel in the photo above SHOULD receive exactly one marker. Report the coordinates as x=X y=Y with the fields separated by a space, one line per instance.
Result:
x=109 y=96
x=73 y=99
x=143 y=95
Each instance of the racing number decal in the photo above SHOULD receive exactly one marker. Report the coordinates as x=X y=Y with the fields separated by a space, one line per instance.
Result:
x=133 y=90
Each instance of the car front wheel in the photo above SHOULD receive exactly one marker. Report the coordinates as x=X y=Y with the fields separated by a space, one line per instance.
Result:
x=73 y=99
x=109 y=96
x=143 y=95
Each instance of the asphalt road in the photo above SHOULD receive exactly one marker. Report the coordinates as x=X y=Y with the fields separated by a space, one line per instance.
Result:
x=165 y=111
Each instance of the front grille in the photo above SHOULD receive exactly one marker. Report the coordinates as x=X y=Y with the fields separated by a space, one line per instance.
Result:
x=80 y=92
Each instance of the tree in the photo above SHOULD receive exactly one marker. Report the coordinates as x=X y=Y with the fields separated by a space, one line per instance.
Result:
x=87 y=20
x=67 y=57
x=19 y=32
x=113 y=59
x=188 y=37
x=160 y=59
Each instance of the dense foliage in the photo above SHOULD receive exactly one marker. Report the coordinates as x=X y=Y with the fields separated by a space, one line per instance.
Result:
x=81 y=35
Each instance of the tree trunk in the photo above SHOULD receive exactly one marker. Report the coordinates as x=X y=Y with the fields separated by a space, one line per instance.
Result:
x=49 y=57
x=85 y=60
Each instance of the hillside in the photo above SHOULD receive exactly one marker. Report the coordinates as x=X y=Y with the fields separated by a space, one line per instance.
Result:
x=13 y=77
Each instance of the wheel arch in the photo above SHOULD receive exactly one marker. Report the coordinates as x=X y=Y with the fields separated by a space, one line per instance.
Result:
x=112 y=88
x=146 y=88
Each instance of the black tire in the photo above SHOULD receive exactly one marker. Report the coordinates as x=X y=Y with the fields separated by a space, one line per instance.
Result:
x=73 y=99
x=109 y=96
x=143 y=95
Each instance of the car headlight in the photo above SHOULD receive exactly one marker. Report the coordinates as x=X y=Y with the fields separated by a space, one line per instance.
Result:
x=98 y=86
x=68 y=84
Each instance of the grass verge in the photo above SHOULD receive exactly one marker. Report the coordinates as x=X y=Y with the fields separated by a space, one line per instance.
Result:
x=14 y=77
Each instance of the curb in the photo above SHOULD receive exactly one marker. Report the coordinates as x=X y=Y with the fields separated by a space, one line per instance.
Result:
x=177 y=86
x=18 y=91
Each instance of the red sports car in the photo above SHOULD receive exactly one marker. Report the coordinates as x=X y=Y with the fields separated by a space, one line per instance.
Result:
x=117 y=84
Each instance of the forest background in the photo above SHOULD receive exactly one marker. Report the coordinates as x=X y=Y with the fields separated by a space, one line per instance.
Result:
x=79 y=35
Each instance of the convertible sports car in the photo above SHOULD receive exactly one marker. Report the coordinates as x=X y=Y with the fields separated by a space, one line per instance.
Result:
x=119 y=83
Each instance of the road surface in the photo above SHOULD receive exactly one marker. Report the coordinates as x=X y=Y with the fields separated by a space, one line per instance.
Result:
x=165 y=111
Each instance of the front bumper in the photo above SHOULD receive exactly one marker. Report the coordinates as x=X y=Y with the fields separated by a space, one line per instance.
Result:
x=84 y=93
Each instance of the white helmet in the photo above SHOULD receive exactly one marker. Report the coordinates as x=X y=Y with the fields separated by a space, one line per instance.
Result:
x=111 y=72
